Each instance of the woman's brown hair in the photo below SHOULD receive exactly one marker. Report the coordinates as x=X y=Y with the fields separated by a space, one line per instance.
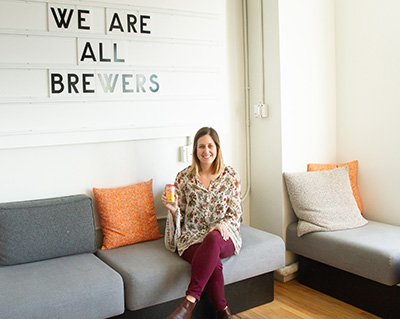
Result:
x=218 y=163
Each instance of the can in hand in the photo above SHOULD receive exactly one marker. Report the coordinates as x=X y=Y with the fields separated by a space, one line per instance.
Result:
x=170 y=193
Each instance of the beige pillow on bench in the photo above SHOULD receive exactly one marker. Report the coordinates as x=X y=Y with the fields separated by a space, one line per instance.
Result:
x=323 y=200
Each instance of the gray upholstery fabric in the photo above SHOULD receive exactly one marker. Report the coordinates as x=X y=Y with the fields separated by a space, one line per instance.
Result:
x=153 y=275
x=79 y=286
x=372 y=251
x=48 y=228
x=323 y=200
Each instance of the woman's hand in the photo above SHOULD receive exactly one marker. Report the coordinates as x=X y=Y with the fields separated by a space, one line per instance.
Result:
x=172 y=207
x=222 y=230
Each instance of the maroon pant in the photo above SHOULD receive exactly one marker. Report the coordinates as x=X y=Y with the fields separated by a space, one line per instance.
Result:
x=205 y=259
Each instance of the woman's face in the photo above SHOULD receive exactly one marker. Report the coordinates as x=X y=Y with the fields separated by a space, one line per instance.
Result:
x=206 y=150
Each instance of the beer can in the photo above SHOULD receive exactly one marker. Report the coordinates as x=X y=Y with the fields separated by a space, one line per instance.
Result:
x=170 y=193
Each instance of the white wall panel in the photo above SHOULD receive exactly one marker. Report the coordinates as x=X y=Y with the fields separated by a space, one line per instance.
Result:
x=67 y=116
x=122 y=55
x=32 y=49
x=23 y=15
x=203 y=6
x=185 y=27
x=177 y=55
x=23 y=84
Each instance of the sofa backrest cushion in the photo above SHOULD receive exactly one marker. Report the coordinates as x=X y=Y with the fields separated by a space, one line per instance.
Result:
x=47 y=228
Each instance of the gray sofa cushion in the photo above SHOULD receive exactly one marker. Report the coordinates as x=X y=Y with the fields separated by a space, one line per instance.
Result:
x=48 y=228
x=78 y=286
x=153 y=275
x=372 y=251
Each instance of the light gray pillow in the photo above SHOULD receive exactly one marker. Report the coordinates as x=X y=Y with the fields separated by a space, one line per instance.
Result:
x=323 y=200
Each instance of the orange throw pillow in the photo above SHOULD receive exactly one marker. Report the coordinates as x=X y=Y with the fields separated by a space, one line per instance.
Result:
x=353 y=167
x=127 y=214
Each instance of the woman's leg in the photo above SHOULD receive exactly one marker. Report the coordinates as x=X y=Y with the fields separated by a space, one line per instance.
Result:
x=205 y=259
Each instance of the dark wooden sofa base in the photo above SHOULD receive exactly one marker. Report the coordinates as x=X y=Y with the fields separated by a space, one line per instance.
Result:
x=371 y=296
x=241 y=296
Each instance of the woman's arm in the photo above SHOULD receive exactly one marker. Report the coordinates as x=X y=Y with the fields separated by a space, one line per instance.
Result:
x=180 y=203
x=173 y=224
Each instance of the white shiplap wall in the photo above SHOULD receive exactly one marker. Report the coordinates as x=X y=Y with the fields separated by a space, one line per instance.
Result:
x=182 y=47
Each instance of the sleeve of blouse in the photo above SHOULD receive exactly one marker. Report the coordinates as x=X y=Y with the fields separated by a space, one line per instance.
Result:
x=234 y=211
x=173 y=227
x=172 y=231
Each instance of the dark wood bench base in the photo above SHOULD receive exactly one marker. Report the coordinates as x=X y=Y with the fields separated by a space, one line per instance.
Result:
x=374 y=297
x=241 y=296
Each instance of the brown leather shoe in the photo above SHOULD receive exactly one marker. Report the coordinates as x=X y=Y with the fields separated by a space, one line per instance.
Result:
x=224 y=314
x=183 y=311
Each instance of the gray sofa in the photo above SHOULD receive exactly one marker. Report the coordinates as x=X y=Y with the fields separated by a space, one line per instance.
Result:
x=156 y=279
x=50 y=267
x=47 y=264
x=360 y=266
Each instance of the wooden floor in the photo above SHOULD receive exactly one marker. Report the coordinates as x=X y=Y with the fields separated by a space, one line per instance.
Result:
x=295 y=301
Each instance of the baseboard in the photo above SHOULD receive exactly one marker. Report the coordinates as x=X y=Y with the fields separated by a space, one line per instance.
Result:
x=241 y=296
x=371 y=296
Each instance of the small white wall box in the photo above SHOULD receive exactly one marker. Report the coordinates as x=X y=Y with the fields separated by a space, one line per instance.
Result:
x=185 y=153
x=260 y=110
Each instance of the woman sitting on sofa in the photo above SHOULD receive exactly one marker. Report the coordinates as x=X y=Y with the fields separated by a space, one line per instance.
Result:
x=204 y=223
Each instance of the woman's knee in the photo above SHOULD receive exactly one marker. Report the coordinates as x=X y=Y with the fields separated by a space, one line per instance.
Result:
x=214 y=242
x=213 y=237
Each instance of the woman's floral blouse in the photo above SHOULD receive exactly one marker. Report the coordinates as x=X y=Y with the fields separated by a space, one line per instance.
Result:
x=200 y=209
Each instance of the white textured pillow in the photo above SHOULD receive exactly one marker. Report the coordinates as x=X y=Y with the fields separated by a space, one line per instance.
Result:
x=323 y=201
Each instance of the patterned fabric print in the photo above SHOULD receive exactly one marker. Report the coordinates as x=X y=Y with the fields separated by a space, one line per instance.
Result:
x=127 y=214
x=353 y=167
x=200 y=209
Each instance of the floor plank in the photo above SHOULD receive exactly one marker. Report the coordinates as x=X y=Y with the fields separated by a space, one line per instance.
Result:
x=295 y=301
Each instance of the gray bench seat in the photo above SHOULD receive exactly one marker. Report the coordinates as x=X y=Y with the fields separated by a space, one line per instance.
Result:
x=371 y=251
x=153 y=275
x=360 y=266
x=77 y=286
